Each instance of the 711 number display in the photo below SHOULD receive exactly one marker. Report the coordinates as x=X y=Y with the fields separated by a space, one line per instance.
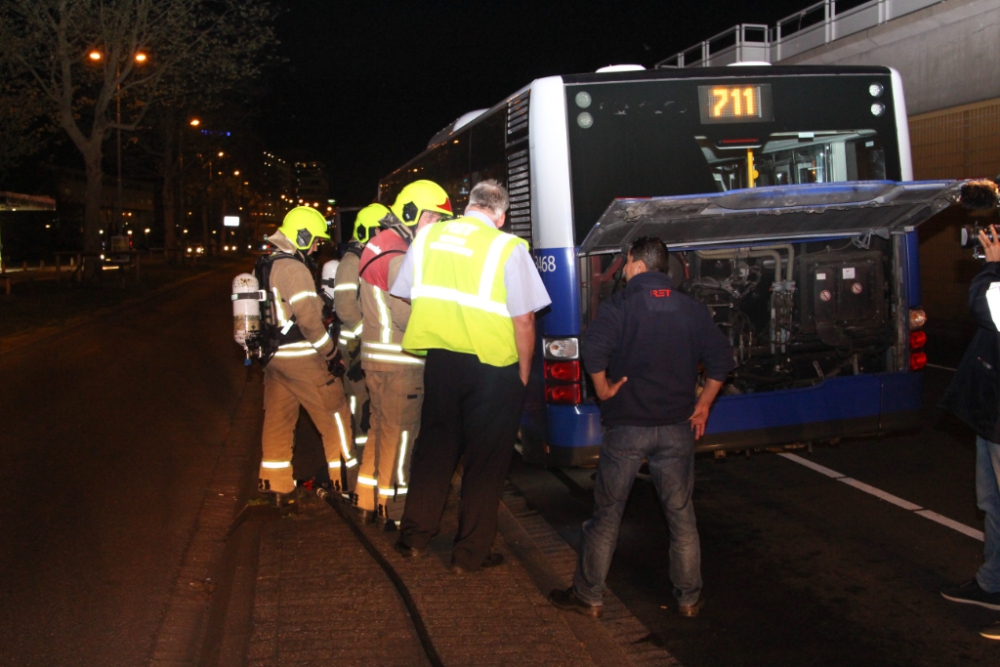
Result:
x=735 y=104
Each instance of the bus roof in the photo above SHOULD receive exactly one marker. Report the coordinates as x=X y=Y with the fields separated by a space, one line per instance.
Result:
x=669 y=73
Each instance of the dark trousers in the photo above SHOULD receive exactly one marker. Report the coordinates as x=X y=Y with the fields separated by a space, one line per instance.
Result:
x=473 y=410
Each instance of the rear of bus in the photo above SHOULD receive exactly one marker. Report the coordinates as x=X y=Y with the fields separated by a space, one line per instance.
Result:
x=818 y=304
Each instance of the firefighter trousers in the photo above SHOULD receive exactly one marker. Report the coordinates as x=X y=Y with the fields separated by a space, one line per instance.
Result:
x=357 y=390
x=396 y=399
x=305 y=381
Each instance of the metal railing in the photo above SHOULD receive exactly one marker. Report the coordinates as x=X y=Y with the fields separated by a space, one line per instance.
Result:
x=741 y=43
x=810 y=28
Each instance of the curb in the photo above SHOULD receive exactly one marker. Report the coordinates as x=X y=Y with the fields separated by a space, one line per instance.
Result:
x=619 y=638
x=203 y=577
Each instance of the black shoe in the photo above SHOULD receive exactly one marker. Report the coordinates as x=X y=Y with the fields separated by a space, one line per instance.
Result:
x=385 y=525
x=408 y=552
x=492 y=560
x=365 y=517
x=971 y=593
x=567 y=601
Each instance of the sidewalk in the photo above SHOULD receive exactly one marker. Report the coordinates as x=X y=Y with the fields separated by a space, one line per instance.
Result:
x=321 y=599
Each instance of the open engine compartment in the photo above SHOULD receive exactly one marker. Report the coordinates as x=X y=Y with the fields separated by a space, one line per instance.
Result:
x=795 y=313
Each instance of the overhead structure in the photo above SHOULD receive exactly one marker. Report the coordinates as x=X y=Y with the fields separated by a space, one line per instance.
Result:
x=14 y=201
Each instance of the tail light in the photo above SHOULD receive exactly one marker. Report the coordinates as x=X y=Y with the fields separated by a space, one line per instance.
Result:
x=917 y=339
x=566 y=371
x=562 y=371
x=563 y=394
x=917 y=361
x=918 y=318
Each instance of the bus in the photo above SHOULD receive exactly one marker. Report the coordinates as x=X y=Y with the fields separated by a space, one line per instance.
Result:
x=778 y=190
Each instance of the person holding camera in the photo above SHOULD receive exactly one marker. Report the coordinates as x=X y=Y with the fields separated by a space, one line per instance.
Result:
x=974 y=397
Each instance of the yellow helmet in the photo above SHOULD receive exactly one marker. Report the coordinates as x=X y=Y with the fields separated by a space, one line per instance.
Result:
x=420 y=196
x=367 y=222
x=302 y=225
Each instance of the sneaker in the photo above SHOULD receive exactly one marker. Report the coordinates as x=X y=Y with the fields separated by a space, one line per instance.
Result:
x=991 y=631
x=568 y=601
x=971 y=593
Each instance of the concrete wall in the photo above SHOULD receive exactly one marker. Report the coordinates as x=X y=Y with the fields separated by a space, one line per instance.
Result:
x=947 y=54
x=949 y=57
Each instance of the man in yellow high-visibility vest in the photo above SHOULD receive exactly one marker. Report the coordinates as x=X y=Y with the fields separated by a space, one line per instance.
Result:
x=474 y=293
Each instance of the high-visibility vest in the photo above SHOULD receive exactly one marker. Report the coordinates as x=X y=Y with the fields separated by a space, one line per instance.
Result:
x=459 y=300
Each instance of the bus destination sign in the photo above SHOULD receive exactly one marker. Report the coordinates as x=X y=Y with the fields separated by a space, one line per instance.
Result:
x=735 y=104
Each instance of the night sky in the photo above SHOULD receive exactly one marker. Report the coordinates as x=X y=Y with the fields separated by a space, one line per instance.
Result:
x=366 y=84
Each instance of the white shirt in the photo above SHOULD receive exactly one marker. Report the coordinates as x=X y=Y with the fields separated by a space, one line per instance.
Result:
x=525 y=291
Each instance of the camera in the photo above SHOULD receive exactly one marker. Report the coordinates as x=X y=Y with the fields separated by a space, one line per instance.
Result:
x=969 y=238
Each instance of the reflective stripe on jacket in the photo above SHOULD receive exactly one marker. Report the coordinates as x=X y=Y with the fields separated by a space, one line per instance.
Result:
x=385 y=316
x=459 y=299
x=293 y=291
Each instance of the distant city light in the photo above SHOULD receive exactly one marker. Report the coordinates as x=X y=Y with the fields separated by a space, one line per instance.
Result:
x=95 y=55
x=195 y=122
x=141 y=57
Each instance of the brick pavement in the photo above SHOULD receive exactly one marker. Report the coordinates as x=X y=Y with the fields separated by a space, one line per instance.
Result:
x=322 y=599
x=320 y=596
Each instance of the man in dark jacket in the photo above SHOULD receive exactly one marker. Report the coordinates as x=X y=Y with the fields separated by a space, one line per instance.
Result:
x=974 y=397
x=642 y=352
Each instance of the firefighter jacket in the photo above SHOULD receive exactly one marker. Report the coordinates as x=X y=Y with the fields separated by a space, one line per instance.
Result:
x=296 y=302
x=458 y=292
x=974 y=393
x=385 y=316
x=346 y=298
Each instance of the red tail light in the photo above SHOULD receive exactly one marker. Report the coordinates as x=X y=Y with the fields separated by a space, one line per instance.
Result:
x=917 y=361
x=917 y=339
x=564 y=394
x=568 y=371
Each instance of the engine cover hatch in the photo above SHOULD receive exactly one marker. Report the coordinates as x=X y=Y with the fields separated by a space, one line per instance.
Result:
x=780 y=213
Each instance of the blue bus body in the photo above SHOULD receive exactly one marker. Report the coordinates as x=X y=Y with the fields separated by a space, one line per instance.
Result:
x=581 y=153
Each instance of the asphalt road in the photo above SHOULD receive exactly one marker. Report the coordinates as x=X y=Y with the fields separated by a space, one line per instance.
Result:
x=109 y=435
x=799 y=568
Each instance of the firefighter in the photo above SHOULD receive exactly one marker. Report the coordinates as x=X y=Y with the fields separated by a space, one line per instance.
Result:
x=301 y=370
x=347 y=304
x=395 y=378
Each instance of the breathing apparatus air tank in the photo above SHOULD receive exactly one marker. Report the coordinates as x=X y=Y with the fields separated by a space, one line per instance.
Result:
x=246 y=313
x=328 y=278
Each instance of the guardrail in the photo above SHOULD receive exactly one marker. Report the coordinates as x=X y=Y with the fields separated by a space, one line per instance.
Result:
x=814 y=26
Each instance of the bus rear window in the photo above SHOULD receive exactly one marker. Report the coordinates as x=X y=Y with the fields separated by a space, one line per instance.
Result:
x=789 y=158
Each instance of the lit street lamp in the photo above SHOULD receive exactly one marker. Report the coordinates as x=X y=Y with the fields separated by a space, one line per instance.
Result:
x=140 y=59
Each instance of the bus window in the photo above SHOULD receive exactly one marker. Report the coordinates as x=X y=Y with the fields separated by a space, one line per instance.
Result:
x=489 y=159
x=791 y=158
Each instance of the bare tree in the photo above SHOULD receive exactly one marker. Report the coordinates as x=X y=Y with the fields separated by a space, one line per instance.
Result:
x=102 y=64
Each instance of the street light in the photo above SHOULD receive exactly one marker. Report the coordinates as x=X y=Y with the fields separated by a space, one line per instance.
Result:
x=140 y=58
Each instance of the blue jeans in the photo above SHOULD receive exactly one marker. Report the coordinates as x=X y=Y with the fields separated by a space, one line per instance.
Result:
x=988 y=500
x=670 y=452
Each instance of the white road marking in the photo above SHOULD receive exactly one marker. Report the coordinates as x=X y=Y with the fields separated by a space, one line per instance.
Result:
x=954 y=525
x=888 y=497
x=879 y=493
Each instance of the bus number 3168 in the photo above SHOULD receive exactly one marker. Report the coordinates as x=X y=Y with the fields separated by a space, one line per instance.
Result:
x=545 y=264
